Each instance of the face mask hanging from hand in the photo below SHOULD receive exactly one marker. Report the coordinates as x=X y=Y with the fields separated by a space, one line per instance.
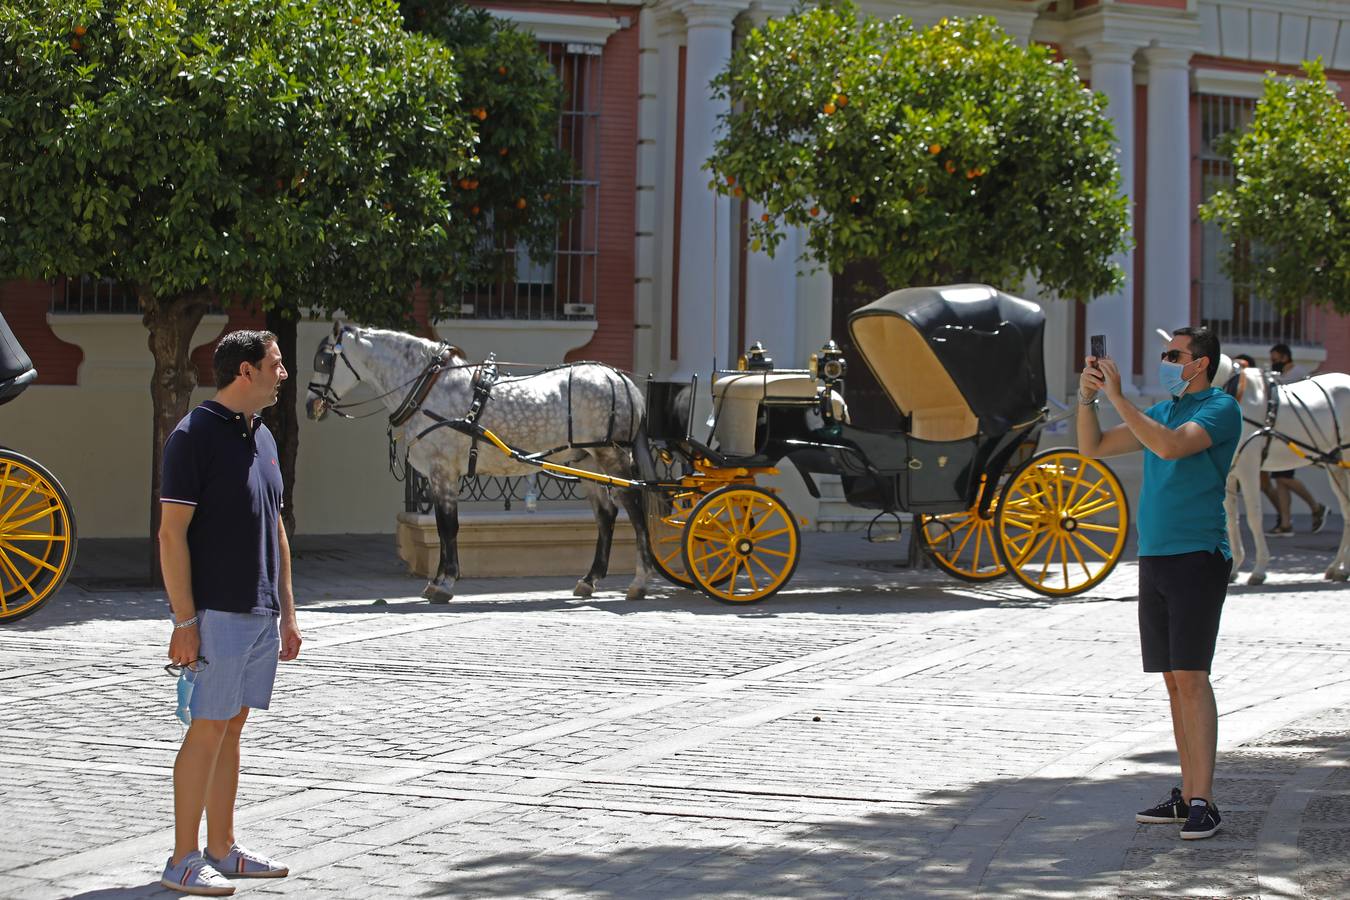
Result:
x=1169 y=376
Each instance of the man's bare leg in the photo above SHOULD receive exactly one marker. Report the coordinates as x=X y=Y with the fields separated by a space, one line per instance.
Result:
x=223 y=790
x=1179 y=733
x=1200 y=721
x=192 y=775
x=1285 y=485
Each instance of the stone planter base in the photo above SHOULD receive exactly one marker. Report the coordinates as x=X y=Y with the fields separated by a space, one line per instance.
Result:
x=515 y=543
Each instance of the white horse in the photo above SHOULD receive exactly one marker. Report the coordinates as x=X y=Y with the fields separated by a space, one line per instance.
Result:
x=1314 y=412
x=587 y=414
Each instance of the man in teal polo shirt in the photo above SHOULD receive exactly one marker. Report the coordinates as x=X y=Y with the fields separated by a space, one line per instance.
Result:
x=1188 y=443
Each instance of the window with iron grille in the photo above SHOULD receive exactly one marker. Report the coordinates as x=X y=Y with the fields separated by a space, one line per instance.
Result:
x=84 y=294
x=563 y=284
x=1231 y=308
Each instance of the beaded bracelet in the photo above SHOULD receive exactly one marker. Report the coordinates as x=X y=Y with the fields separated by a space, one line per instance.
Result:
x=186 y=623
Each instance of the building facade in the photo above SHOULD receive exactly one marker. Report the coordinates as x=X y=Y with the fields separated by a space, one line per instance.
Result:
x=654 y=274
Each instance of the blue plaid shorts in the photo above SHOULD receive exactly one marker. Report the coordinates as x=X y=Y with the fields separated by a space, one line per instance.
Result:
x=241 y=663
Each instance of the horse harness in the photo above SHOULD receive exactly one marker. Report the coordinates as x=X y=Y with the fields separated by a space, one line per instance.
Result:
x=1266 y=430
x=483 y=381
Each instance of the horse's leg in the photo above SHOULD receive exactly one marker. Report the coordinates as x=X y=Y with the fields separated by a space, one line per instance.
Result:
x=605 y=514
x=442 y=588
x=1248 y=467
x=631 y=499
x=1339 y=570
x=1230 y=509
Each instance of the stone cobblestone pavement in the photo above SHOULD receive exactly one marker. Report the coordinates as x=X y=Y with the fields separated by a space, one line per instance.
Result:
x=873 y=731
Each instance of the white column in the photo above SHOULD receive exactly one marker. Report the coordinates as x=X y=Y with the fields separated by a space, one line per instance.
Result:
x=706 y=301
x=771 y=284
x=1167 y=230
x=1113 y=314
x=670 y=37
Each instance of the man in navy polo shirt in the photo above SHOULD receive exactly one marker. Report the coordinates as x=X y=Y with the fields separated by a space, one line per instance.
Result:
x=227 y=570
x=1188 y=443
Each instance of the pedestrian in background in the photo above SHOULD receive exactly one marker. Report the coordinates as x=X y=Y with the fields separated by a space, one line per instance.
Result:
x=227 y=570
x=1278 y=485
x=1184 y=559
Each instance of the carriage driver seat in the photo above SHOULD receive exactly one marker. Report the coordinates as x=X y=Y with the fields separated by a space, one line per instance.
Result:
x=16 y=369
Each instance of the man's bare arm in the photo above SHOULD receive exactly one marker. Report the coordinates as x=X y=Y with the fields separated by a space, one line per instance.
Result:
x=175 y=565
x=1117 y=440
x=290 y=628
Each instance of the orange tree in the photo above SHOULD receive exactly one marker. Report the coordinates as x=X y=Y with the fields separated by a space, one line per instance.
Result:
x=942 y=154
x=283 y=152
x=1289 y=203
x=512 y=98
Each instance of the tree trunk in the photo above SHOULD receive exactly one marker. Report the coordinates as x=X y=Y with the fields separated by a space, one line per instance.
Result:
x=171 y=322
x=281 y=418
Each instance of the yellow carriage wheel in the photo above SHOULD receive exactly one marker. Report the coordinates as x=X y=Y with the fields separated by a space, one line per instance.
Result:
x=666 y=518
x=1062 y=521
x=962 y=543
x=37 y=536
x=741 y=544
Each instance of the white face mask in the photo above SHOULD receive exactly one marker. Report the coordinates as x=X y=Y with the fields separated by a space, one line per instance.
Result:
x=1171 y=379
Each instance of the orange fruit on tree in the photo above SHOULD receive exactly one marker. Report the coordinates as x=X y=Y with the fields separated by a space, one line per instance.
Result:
x=464 y=183
x=815 y=210
x=503 y=151
x=764 y=217
x=731 y=179
x=828 y=108
x=75 y=44
x=970 y=173
x=501 y=70
x=474 y=210
x=473 y=184
x=935 y=149
x=842 y=99
x=950 y=167
x=853 y=199
x=737 y=192
x=80 y=30
x=521 y=204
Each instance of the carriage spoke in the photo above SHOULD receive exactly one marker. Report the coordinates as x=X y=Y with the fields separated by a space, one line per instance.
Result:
x=1090 y=526
x=44 y=511
x=41 y=563
x=18 y=578
x=33 y=536
x=1078 y=556
x=750 y=576
x=770 y=534
x=1101 y=506
x=770 y=572
x=1098 y=550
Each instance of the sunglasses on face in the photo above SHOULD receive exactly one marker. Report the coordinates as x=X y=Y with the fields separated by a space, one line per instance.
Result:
x=1175 y=355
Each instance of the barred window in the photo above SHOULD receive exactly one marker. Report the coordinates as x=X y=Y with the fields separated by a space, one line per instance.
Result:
x=84 y=294
x=563 y=284
x=1231 y=308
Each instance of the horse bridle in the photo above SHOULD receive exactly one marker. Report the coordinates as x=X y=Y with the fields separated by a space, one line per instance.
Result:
x=325 y=361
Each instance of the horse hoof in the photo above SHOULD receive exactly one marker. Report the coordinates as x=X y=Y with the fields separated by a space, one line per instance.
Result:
x=437 y=594
x=1337 y=575
x=1232 y=578
x=582 y=590
x=636 y=593
x=1257 y=578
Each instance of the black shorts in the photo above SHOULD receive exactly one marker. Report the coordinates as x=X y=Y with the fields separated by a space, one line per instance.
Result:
x=1283 y=473
x=1180 y=600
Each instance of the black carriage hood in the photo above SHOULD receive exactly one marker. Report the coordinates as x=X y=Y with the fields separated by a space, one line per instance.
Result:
x=989 y=343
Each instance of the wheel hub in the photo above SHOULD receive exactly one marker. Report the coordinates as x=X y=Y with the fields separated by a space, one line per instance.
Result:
x=1068 y=523
x=744 y=546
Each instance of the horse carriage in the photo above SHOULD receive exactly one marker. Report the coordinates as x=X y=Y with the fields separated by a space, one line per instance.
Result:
x=37 y=528
x=963 y=367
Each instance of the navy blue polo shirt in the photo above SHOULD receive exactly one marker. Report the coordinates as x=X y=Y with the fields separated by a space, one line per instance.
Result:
x=215 y=462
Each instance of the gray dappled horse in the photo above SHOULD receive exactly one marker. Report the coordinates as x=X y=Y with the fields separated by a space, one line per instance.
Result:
x=1313 y=411
x=589 y=414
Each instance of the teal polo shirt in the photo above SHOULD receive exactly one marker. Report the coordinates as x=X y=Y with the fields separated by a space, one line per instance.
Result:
x=1181 y=500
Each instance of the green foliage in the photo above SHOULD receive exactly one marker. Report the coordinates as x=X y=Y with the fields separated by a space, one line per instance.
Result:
x=944 y=154
x=283 y=151
x=1290 y=201
x=512 y=97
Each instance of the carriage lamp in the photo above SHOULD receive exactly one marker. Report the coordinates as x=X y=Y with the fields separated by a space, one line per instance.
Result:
x=829 y=364
x=756 y=359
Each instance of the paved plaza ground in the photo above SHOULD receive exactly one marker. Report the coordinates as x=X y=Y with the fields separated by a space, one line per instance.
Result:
x=874 y=731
